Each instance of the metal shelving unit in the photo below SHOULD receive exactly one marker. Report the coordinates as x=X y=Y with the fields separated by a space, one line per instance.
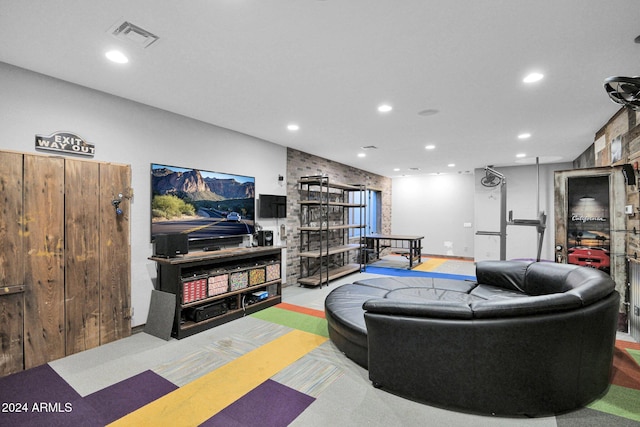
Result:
x=332 y=227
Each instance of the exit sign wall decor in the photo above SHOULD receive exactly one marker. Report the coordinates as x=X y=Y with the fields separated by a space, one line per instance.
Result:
x=65 y=142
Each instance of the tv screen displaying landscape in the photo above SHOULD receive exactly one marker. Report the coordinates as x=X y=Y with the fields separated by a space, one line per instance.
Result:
x=203 y=204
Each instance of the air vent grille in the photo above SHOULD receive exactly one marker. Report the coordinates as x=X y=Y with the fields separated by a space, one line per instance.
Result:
x=133 y=34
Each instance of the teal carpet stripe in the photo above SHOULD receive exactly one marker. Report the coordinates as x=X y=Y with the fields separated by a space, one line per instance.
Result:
x=303 y=322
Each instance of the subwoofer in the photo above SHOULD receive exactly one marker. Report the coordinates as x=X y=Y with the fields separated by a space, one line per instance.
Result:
x=171 y=245
x=265 y=238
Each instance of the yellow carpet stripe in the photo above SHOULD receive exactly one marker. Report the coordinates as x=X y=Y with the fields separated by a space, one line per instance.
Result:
x=430 y=264
x=199 y=400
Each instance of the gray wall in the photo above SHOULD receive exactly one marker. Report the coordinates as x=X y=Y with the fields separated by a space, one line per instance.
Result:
x=436 y=207
x=301 y=164
x=131 y=133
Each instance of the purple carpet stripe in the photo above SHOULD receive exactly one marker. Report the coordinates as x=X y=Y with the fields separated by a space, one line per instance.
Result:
x=40 y=397
x=36 y=385
x=119 y=399
x=270 y=404
x=32 y=396
x=70 y=414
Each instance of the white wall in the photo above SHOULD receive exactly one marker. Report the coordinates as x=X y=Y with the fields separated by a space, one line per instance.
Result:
x=521 y=194
x=131 y=133
x=436 y=207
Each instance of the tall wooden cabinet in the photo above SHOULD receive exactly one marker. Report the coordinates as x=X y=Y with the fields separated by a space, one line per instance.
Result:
x=332 y=227
x=64 y=258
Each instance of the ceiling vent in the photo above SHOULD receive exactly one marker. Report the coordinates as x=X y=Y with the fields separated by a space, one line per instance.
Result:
x=369 y=147
x=133 y=34
x=428 y=112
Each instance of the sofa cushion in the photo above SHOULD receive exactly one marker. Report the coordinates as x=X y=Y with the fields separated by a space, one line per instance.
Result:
x=593 y=289
x=391 y=283
x=491 y=292
x=589 y=284
x=542 y=278
x=503 y=274
x=388 y=283
x=432 y=309
x=525 y=306
x=421 y=295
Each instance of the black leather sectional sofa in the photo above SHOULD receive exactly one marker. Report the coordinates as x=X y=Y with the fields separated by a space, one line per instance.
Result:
x=524 y=339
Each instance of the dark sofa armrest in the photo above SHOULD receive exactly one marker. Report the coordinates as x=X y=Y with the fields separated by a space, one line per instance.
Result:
x=432 y=309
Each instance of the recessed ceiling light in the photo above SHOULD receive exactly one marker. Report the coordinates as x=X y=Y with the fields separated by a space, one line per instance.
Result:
x=396 y=169
x=533 y=77
x=362 y=155
x=451 y=165
x=524 y=135
x=293 y=127
x=521 y=155
x=430 y=147
x=385 y=108
x=117 y=57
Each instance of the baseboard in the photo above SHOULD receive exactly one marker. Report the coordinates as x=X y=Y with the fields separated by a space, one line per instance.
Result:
x=452 y=257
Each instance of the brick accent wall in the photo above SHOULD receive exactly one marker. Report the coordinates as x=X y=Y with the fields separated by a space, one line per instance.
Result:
x=301 y=164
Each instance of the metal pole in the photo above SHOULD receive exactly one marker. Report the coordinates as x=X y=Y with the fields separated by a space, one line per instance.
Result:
x=503 y=220
x=538 y=185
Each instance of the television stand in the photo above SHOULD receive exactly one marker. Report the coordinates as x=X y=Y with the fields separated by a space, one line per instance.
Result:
x=213 y=288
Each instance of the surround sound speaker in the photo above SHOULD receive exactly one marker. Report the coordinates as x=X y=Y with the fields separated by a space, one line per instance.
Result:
x=629 y=174
x=171 y=245
x=265 y=238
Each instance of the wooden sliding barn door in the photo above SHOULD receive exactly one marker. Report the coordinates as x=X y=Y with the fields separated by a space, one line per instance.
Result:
x=11 y=265
x=115 y=256
x=64 y=257
x=82 y=255
x=43 y=229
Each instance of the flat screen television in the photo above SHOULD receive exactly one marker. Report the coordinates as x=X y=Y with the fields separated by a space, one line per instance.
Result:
x=272 y=206
x=207 y=206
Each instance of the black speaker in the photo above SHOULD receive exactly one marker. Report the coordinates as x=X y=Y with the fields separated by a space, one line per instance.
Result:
x=170 y=245
x=629 y=174
x=265 y=238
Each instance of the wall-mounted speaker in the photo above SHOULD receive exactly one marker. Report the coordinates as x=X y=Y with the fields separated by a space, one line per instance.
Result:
x=629 y=174
x=265 y=238
x=171 y=245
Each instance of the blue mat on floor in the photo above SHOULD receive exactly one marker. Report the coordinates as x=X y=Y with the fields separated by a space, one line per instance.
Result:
x=411 y=273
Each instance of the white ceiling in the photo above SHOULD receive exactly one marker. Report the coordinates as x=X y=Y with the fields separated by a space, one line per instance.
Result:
x=256 y=65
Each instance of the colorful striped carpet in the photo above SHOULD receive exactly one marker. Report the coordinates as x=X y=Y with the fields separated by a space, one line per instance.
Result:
x=294 y=364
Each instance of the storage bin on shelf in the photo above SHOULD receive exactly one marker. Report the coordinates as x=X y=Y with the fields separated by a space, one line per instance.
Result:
x=257 y=276
x=194 y=288
x=218 y=282
x=238 y=280
x=272 y=271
